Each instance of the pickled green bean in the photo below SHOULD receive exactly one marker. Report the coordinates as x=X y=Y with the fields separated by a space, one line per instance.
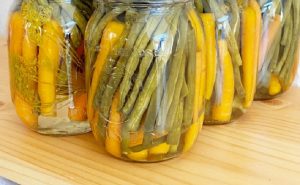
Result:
x=119 y=69
x=171 y=116
x=191 y=73
x=133 y=60
x=151 y=82
x=106 y=97
x=146 y=62
x=94 y=40
x=173 y=84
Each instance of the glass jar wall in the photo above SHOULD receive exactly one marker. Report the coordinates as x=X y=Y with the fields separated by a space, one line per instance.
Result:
x=279 y=47
x=232 y=30
x=46 y=58
x=145 y=69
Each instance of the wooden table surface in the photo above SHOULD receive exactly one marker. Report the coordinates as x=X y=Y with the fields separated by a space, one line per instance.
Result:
x=263 y=147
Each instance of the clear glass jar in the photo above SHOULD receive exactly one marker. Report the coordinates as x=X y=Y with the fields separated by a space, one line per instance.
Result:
x=145 y=88
x=47 y=70
x=279 y=46
x=232 y=32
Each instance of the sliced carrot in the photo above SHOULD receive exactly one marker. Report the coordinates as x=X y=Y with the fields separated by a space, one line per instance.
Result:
x=25 y=111
x=78 y=112
x=211 y=52
x=48 y=60
x=221 y=111
x=111 y=34
x=200 y=63
x=159 y=149
x=250 y=39
x=16 y=35
x=192 y=133
x=275 y=87
x=29 y=53
x=138 y=156
x=113 y=138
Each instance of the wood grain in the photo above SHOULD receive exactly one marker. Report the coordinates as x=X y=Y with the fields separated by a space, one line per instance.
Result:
x=263 y=147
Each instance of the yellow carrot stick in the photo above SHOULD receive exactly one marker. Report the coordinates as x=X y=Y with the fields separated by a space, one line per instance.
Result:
x=211 y=52
x=192 y=133
x=249 y=40
x=48 y=60
x=274 y=87
x=200 y=63
x=25 y=111
x=254 y=4
x=138 y=156
x=197 y=87
x=29 y=53
x=113 y=138
x=111 y=34
x=159 y=149
x=200 y=82
x=16 y=34
x=221 y=111
x=267 y=39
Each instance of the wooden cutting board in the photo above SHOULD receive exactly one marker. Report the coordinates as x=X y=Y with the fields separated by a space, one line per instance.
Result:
x=263 y=147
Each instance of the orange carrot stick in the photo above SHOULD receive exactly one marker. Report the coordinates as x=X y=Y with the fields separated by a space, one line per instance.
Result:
x=111 y=34
x=113 y=138
x=16 y=34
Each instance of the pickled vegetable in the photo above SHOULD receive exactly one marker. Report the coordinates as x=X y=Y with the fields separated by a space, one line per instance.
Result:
x=142 y=93
x=279 y=48
x=251 y=26
x=232 y=58
x=46 y=56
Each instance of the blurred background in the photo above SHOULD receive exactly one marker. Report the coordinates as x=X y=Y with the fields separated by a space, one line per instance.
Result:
x=4 y=10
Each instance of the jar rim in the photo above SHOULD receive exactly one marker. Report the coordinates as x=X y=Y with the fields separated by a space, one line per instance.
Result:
x=146 y=2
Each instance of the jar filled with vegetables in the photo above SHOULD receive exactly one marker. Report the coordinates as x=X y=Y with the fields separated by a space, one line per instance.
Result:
x=145 y=68
x=232 y=30
x=47 y=68
x=279 y=47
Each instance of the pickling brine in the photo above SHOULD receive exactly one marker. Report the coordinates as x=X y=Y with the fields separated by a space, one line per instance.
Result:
x=145 y=68
x=47 y=69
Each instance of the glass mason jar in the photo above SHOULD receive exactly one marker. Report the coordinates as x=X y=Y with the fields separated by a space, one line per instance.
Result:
x=232 y=32
x=144 y=66
x=47 y=70
x=279 y=47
